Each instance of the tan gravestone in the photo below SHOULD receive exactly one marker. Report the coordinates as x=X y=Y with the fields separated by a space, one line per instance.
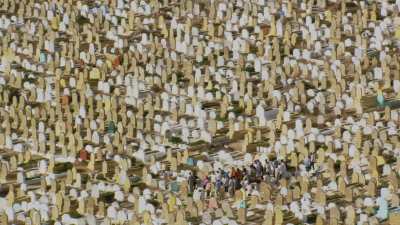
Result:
x=193 y=211
x=341 y=185
x=394 y=218
x=90 y=206
x=268 y=218
x=354 y=177
x=253 y=201
x=371 y=188
x=320 y=220
x=227 y=209
x=278 y=216
x=320 y=197
x=104 y=168
x=3 y=173
x=180 y=217
x=10 y=195
x=395 y=200
x=212 y=126
x=242 y=215
x=160 y=197
x=169 y=154
x=146 y=218
x=171 y=202
x=164 y=212
x=350 y=215
x=373 y=167
x=13 y=163
x=54 y=213
x=35 y=216
x=334 y=216
x=3 y=218
x=359 y=203
x=343 y=170
x=296 y=193
x=304 y=185
x=238 y=195
x=66 y=204
x=101 y=210
x=185 y=156
x=183 y=190
x=219 y=213
x=200 y=207
x=174 y=164
x=393 y=180
x=178 y=158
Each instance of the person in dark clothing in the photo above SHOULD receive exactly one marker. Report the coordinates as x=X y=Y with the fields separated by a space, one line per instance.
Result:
x=259 y=170
x=252 y=174
x=232 y=186
x=237 y=183
x=307 y=163
x=283 y=170
x=192 y=182
x=226 y=183
x=312 y=162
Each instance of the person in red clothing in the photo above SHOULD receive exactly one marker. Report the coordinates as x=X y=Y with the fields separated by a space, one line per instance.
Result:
x=238 y=174
x=116 y=62
x=233 y=172
x=83 y=155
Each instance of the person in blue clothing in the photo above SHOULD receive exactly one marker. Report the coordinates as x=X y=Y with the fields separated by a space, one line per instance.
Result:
x=380 y=98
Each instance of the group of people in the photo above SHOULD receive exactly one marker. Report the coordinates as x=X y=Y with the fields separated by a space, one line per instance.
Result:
x=231 y=180
x=222 y=182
